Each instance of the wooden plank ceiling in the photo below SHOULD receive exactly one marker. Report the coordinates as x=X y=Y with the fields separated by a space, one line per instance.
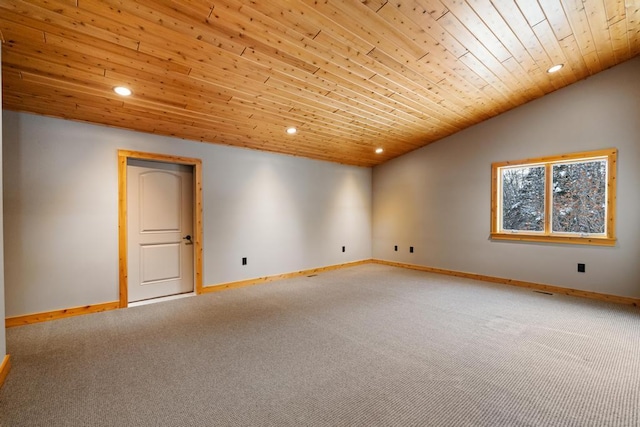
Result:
x=351 y=75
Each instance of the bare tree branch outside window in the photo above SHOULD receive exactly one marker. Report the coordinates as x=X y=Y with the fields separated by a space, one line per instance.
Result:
x=579 y=197
x=567 y=198
x=523 y=198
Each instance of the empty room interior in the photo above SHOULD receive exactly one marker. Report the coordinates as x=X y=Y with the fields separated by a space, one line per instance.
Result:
x=322 y=213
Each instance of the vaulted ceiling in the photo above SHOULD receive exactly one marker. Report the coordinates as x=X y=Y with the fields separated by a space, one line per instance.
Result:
x=350 y=75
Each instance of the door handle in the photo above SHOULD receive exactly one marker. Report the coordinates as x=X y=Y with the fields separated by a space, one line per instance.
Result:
x=188 y=239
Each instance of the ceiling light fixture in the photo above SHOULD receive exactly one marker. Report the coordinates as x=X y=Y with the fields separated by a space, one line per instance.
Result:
x=555 y=68
x=379 y=150
x=292 y=130
x=121 y=90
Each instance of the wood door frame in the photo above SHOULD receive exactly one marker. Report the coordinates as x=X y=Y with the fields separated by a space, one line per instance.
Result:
x=123 y=156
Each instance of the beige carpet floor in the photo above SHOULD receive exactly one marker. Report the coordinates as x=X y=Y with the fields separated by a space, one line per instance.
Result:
x=365 y=346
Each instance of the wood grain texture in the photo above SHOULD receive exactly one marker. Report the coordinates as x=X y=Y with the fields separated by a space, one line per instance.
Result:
x=76 y=311
x=5 y=367
x=260 y=280
x=123 y=259
x=59 y=314
x=350 y=75
x=523 y=284
x=607 y=239
x=123 y=156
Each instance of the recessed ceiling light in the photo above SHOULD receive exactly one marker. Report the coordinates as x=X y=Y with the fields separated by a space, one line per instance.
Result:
x=121 y=90
x=379 y=150
x=555 y=68
x=292 y=130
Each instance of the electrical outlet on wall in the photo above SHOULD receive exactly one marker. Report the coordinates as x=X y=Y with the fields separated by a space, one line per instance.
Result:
x=582 y=268
x=244 y=261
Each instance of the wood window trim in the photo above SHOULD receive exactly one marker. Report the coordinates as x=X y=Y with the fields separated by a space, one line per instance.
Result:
x=123 y=156
x=609 y=239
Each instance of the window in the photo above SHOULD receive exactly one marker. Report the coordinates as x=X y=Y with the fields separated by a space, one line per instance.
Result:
x=563 y=199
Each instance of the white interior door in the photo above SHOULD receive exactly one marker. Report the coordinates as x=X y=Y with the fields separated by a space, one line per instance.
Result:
x=159 y=230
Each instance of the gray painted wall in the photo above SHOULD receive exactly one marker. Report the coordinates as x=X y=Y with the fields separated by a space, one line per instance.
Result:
x=437 y=198
x=3 y=342
x=283 y=213
x=287 y=214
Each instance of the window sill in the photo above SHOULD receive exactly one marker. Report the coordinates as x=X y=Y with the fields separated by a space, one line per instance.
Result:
x=572 y=240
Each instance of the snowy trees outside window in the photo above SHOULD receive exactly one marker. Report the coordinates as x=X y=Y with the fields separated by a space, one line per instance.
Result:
x=523 y=198
x=580 y=197
x=568 y=198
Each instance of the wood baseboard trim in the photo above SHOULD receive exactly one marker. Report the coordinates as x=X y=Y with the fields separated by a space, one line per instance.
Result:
x=77 y=311
x=267 y=279
x=59 y=314
x=96 y=308
x=5 y=367
x=520 y=283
